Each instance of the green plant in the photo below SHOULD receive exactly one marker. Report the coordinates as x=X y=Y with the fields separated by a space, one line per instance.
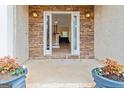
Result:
x=10 y=65
x=18 y=71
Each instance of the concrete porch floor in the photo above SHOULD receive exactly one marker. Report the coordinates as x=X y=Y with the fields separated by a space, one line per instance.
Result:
x=60 y=73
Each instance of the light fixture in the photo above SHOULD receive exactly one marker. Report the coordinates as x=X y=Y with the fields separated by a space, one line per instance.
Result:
x=87 y=15
x=55 y=26
x=56 y=22
x=34 y=14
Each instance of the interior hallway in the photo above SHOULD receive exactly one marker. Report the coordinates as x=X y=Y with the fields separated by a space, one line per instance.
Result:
x=64 y=49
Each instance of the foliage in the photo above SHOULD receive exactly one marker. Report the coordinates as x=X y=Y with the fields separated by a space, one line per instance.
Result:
x=9 y=65
x=111 y=69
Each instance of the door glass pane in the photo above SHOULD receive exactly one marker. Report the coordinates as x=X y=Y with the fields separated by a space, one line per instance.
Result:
x=48 y=34
x=75 y=33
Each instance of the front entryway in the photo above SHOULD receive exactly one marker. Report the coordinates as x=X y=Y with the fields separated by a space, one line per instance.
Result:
x=61 y=33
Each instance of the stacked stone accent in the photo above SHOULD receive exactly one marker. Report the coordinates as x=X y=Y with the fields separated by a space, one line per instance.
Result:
x=86 y=30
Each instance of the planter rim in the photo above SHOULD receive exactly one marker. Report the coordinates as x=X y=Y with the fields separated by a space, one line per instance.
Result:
x=103 y=78
x=15 y=78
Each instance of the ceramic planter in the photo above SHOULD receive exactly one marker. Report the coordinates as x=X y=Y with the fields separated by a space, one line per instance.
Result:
x=102 y=82
x=15 y=81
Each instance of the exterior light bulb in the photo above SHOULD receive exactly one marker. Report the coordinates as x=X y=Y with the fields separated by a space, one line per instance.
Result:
x=34 y=14
x=87 y=15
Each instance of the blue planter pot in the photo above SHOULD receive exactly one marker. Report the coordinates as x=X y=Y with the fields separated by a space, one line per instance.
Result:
x=16 y=81
x=102 y=82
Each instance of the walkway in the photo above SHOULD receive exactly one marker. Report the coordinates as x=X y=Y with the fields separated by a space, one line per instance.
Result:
x=56 y=73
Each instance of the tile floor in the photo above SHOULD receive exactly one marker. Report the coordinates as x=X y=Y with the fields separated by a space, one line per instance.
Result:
x=64 y=49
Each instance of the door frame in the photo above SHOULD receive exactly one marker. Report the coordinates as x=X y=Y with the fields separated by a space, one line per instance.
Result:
x=78 y=29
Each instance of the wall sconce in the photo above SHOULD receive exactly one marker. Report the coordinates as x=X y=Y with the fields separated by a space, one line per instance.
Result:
x=34 y=14
x=87 y=15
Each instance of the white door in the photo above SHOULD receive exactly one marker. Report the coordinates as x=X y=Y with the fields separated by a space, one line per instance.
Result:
x=47 y=33
x=75 y=33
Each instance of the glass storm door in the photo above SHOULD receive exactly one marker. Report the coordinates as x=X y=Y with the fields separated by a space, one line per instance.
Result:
x=47 y=34
x=75 y=36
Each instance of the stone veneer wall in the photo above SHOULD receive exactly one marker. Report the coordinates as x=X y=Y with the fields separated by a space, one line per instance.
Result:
x=86 y=30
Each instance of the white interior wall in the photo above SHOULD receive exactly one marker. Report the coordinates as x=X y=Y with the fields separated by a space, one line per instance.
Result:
x=109 y=32
x=64 y=23
x=63 y=19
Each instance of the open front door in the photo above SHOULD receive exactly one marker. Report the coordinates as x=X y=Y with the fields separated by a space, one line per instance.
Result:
x=75 y=33
x=47 y=33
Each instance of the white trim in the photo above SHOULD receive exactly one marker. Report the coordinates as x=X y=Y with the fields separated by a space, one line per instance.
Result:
x=75 y=52
x=47 y=52
x=61 y=12
x=78 y=34
x=72 y=52
x=44 y=34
